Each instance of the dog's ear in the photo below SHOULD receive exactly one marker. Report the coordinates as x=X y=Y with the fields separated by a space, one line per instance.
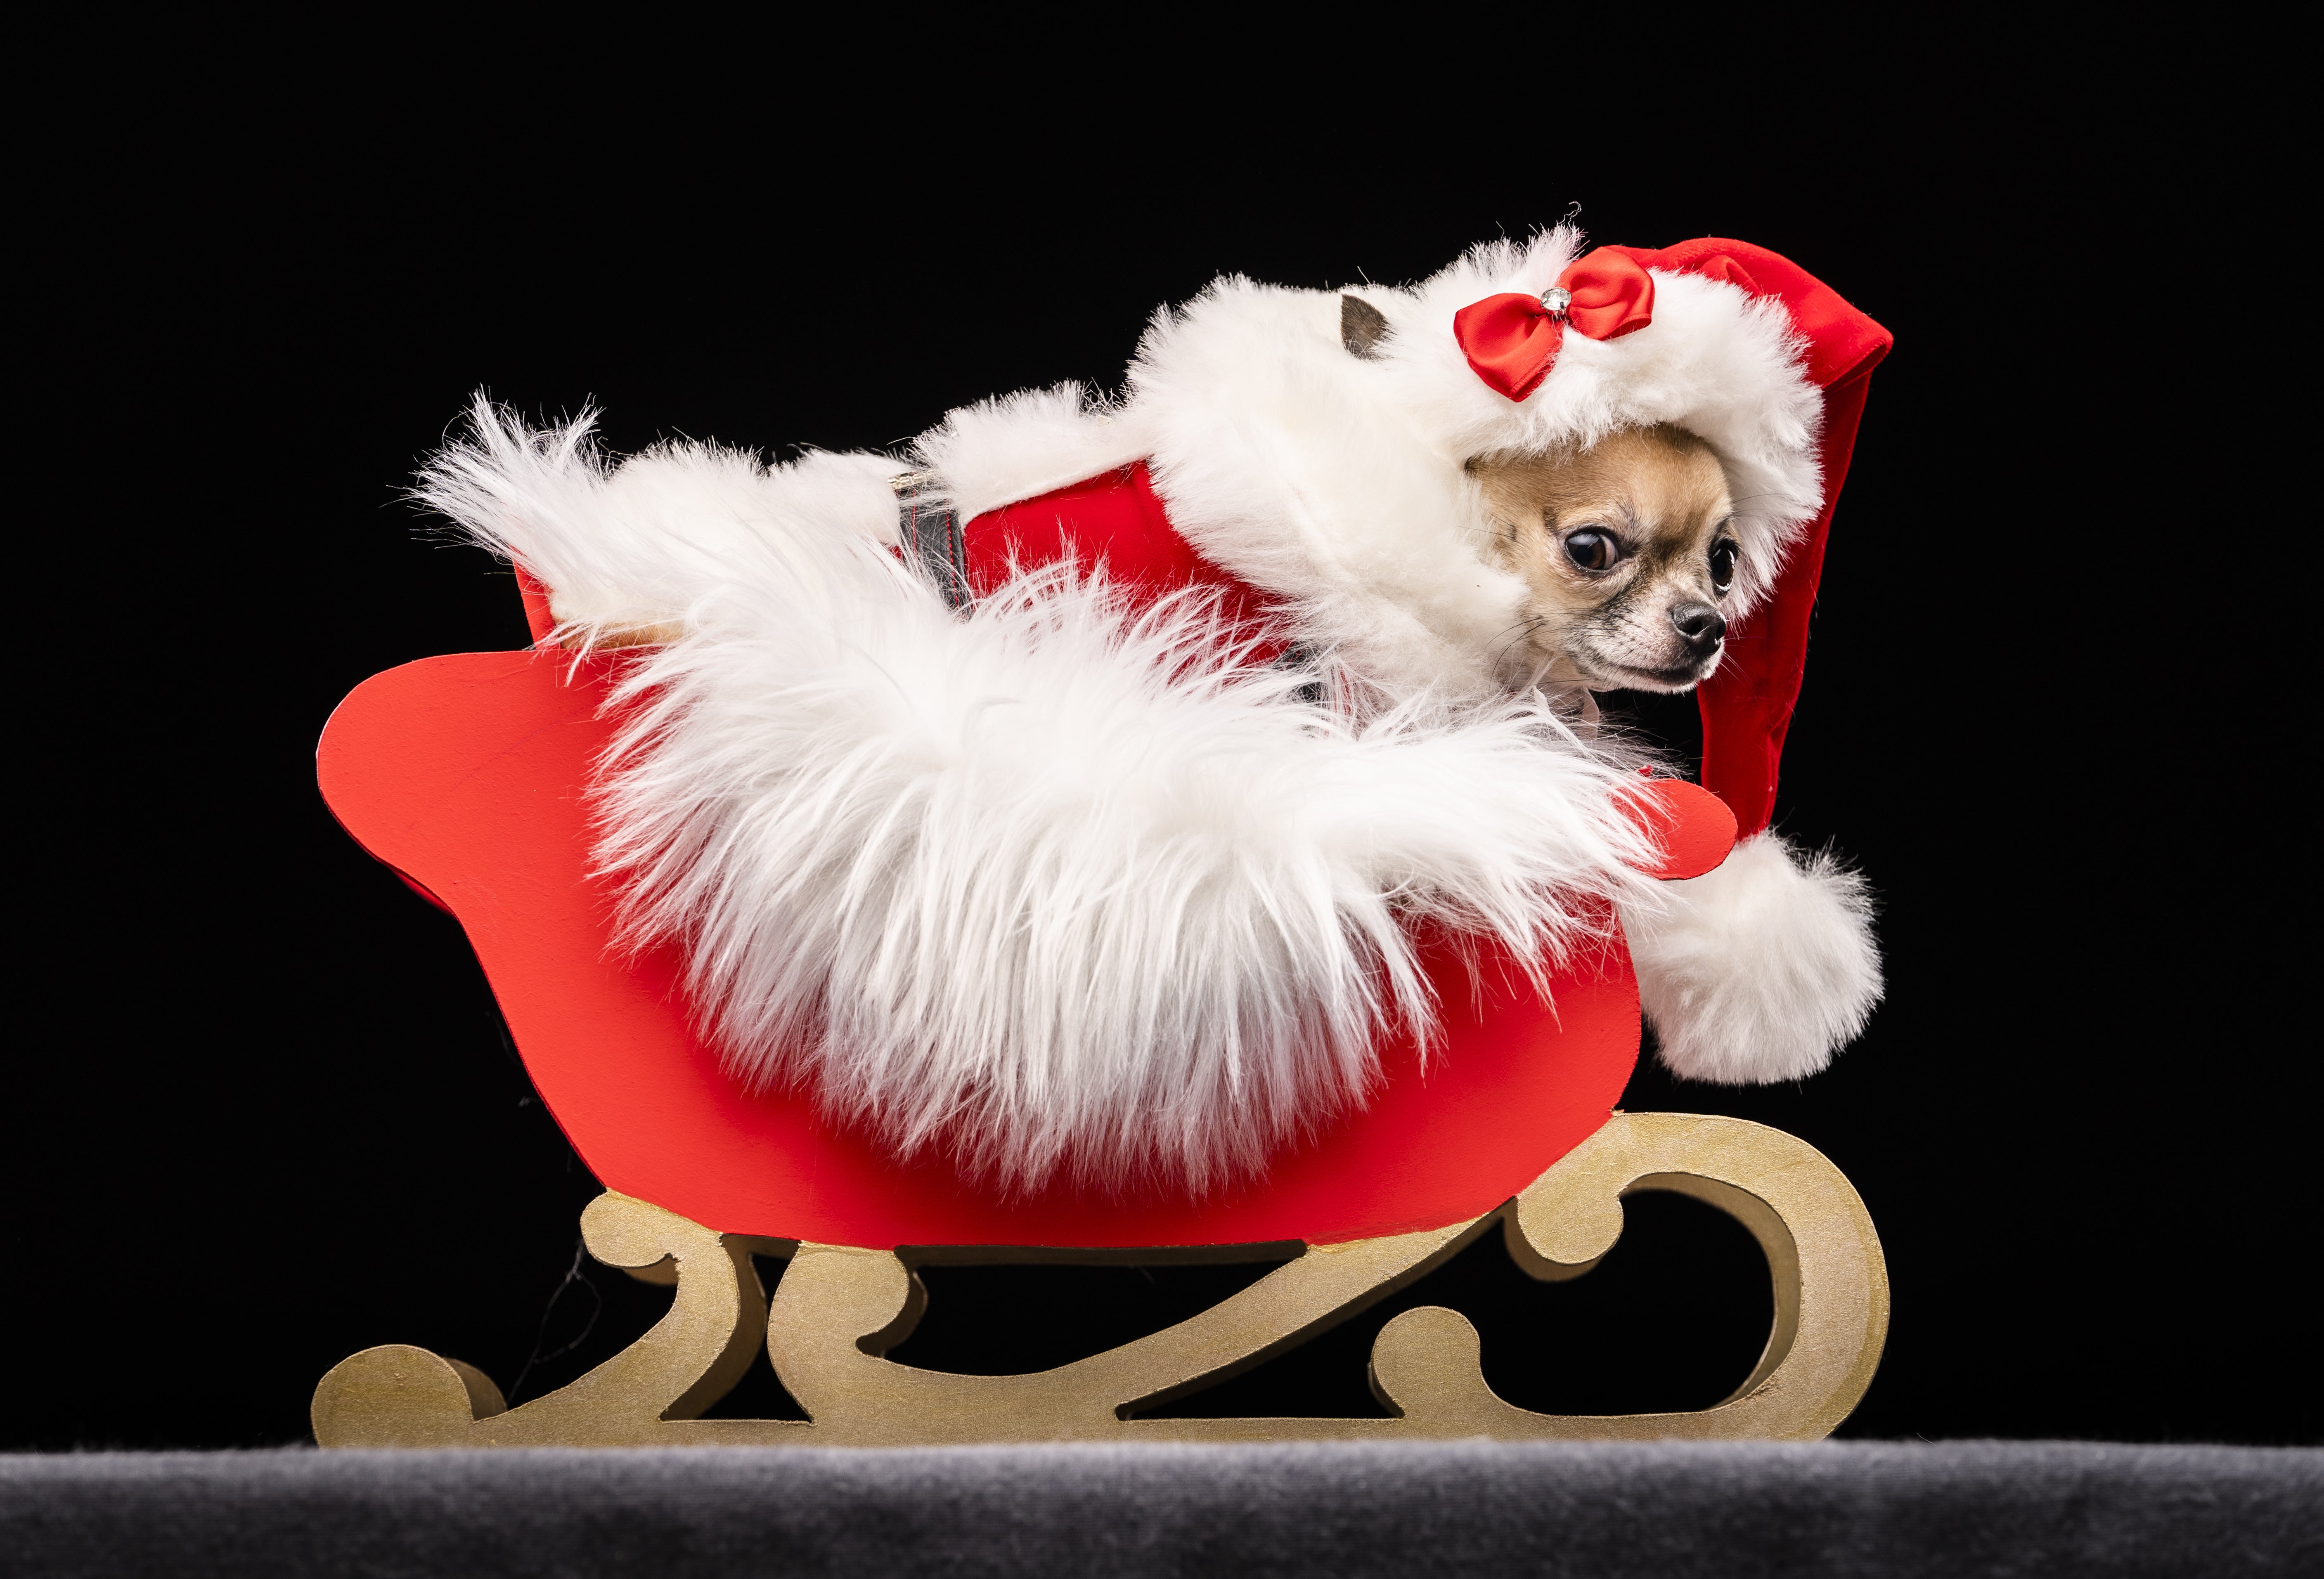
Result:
x=1363 y=327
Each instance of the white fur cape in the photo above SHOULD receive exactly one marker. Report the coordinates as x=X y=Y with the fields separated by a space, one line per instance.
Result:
x=1067 y=881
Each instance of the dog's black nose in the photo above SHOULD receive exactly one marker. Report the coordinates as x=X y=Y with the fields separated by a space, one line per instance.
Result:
x=1702 y=625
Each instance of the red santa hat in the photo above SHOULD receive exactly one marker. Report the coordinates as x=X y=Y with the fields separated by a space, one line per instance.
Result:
x=1726 y=340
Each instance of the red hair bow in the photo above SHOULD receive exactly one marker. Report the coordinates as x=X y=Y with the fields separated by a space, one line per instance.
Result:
x=1512 y=340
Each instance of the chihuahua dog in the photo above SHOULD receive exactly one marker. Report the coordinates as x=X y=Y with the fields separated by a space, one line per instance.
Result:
x=1628 y=551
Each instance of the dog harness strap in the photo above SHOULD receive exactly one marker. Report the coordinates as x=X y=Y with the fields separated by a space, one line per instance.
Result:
x=928 y=529
x=1298 y=658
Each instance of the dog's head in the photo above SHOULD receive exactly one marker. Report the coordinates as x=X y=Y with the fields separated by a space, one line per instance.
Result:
x=1628 y=551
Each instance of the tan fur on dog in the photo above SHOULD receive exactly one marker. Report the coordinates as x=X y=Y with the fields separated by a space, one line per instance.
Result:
x=1622 y=548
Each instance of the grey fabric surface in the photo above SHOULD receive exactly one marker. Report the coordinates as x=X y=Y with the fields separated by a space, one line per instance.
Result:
x=1606 y=1510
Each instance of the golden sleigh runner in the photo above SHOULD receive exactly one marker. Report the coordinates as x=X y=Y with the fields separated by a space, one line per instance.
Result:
x=465 y=773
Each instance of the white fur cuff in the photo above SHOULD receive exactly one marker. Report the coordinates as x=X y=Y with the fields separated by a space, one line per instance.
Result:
x=1759 y=970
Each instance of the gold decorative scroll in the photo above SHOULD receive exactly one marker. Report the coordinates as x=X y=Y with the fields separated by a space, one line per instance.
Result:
x=838 y=1311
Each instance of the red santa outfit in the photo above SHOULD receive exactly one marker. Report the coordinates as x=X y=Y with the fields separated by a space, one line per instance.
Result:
x=1314 y=482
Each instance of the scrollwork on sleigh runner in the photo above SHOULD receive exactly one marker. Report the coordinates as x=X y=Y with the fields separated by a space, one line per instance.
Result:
x=837 y=1310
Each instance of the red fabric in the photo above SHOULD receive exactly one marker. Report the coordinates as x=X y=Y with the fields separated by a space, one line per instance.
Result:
x=1841 y=341
x=1512 y=340
x=1746 y=705
x=1115 y=517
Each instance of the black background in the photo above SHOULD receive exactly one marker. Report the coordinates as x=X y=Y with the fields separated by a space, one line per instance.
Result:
x=260 y=1112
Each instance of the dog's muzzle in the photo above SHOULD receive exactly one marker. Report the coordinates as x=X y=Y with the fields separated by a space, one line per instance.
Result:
x=1699 y=625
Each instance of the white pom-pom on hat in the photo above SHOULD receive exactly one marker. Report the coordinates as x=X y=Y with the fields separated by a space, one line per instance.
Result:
x=1760 y=970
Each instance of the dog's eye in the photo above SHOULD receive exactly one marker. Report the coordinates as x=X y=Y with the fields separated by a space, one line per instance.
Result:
x=1593 y=550
x=1723 y=555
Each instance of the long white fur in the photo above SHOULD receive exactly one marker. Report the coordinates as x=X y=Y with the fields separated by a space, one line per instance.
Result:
x=1061 y=882
x=1761 y=970
x=662 y=532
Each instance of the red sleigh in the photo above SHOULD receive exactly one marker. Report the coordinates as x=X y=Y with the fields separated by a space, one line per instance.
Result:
x=467 y=775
